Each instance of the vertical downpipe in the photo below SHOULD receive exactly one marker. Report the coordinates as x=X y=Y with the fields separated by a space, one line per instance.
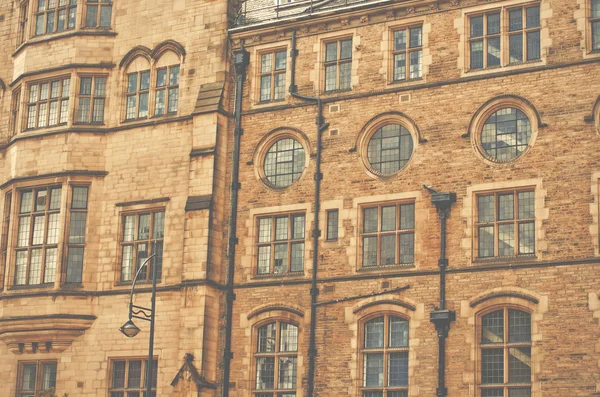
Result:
x=316 y=232
x=240 y=62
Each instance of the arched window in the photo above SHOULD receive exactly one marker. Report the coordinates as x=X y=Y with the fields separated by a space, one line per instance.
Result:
x=284 y=162
x=384 y=357
x=276 y=360
x=505 y=135
x=389 y=149
x=505 y=353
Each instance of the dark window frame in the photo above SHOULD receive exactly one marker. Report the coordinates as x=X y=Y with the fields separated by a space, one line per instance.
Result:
x=332 y=225
x=94 y=97
x=97 y=21
x=273 y=242
x=516 y=221
x=338 y=63
x=39 y=376
x=594 y=23
x=271 y=74
x=407 y=51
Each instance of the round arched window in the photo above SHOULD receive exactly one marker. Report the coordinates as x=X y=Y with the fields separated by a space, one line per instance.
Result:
x=390 y=148
x=284 y=162
x=505 y=135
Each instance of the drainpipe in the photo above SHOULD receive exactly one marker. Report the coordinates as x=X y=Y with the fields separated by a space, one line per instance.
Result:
x=240 y=62
x=316 y=232
x=442 y=317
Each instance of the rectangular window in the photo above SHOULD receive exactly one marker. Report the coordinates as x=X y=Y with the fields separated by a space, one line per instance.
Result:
x=272 y=76
x=142 y=236
x=128 y=377
x=23 y=22
x=332 y=225
x=515 y=29
x=55 y=16
x=98 y=13
x=408 y=50
x=388 y=234
x=166 y=97
x=35 y=376
x=92 y=96
x=595 y=24
x=5 y=231
x=138 y=87
x=281 y=244
x=48 y=103
x=338 y=65
x=505 y=225
x=14 y=109
x=76 y=239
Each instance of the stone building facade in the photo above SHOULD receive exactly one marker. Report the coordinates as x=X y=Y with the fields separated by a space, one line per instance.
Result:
x=493 y=101
x=111 y=152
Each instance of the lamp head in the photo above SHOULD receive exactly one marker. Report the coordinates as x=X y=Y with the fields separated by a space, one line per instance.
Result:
x=129 y=329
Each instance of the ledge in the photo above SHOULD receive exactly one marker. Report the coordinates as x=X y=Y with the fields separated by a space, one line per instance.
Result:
x=53 y=37
x=54 y=175
x=45 y=333
x=101 y=65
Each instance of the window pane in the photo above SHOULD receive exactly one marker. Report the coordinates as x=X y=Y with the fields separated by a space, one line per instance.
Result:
x=370 y=220
x=35 y=266
x=38 y=230
x=50 y=265
x=49 y=376
x=74 y=264
x=158 y=228
x=132 y=82
x=486 y=241
x=264 y=229
x=77 y=228
x=144 y=80
x=332 y=225
x=407 y=216
x=279 y=86
x=105 y=16
x=476 y=54
x=28 y=381
x=374 y=333
x=398 y=332
x=127 y=263
x=83 y=110
x=264 y=259
x=128 y=228
x=160 y=102
x=506 y=240
x=533 y=45
x=266 y=63
x=477 y=26
x=345 y=75
x=527 y=238
x=265 y=373
x=288 y=338
x=144 y=227
x=407 y=248
x=400 y=40
x=157 y=249
x=373 y=370
x=297 y=260
x=281 y=258
x=415 y=65
x=533 y=17
x=519 y=326
x=23 y=234
x=595 y=9
x=298 y=227
x=331 y=51
x=492 y=392
x=398 y=369
x=142 y=255
x=266 y=338
x=280 y=60
x=493 y=23
x=492 y=327
x=506 y=207
x=80 y=195
x=265 y=88
x=346 y=49
x=287 y=373
x=91 y=16
x=21 y=268
x=388 y=218
x=330 y=77
x=492 y=366
x=98 y=111
x=281 y=228
x=143 y=109
x=519 y=365
x=400 y=66
x=493 y=51
x=388 y=250
x=526 y=205
x=520 y=392
x=134 y=378
x=369 y=251
x=516 y=48
x=515 y=19
x=415 y=37
x=131 y=103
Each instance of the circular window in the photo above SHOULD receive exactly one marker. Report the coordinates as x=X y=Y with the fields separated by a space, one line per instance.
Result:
x=390 y=148
x=505 y=135
x=284 y=162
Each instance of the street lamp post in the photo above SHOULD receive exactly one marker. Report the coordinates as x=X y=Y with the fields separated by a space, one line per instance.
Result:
x=129 y=329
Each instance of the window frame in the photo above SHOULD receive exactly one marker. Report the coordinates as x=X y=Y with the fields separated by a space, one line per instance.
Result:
x=506 y=345
x=271 y=74
x=68 y=7
x=93 y=97
x=591 y=20
x=150 y=243
x=273 y=242
x=275 y=392
x=331 y=225
x=496 y=222
x=39 y=376
x=143 y=374
x=385 y=350
x=99 y=4
x=61 y=99
x=137 y=94
x=397 y=232
x=22 y=35
x=406 y=51
x=504 y=36
x=338 y=62
x=167 y=88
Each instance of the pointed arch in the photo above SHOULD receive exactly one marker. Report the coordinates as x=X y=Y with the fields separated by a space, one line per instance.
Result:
x=168 y=45
x=137 y=51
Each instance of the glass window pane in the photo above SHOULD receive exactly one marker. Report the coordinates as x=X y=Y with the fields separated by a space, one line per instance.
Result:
x=21 y=268
x=416 y=37
x=533 y=17
x=80 y=196
x=400 y=40
x=77 y=227
x=297 y=259
x=332 y=225
x=346 y=49
x=516 y=48
x=492 y=327
x=48 y=376
x=388 y=250
x=400 y=66
x=407 y=248
x=331 y=51
x=476 y=26
x=281 y=228
x=506 y=240
x=23 y=233
x=526 y=205
x=526 y=238
x=485 y=209
x=373 y=370
x=476 y=54
x=492 y=366
x=370 y=220
x=345 y=75
x=281 y=258
x=519 y=326
x=158 y=228
x=132 y=82
x=105 y=16
x=506 y=207
x=280 y=60
x=266 y=338
x=265 y=373
x=144 y=227
x=486 y=241
x=374 y=333
x=493 y=51
x=143 y=109
x=74 y=265
x=398 y=330
x=515 y=19
x=264 y=259
x=407 y=216
x=134 y=376
x=533 y=45
x=369 y=251
x=38 y=230
x=83 y=111
x=520 y=392
x=127 y=263
x=330 y=77
x=415 y=65
x=388 y=218
x=519 y=365
x=35 y=267
x=493 y=23
x=267 y=63
x=50 y=265
x=288 y=338
x=398 y=369
x=279 y=86
x=53 y=225
x=91 y=16
x=287 y=373
x=29 y=375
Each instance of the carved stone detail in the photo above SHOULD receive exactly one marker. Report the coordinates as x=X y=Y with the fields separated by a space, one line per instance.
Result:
x=434 y=6
x=256 y=39
x=454 y=3
x=364 y=19
x=322 y=26
x=345 y=22
x=410 y=10
x=390 y=14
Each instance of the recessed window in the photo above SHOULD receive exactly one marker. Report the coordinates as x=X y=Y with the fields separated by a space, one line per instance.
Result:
x=595 y=24
x=48 y=103
x=280 y=244
x=55 y=16
x=92 y=96
x=284 y=163
x=34 y=377
x=276 y=360
x=505 y=225
x=167 y=90
x=390 y=148
x=384 y=354
x=505 y=353
x=142 y=236
x=506 y=135
x=338 y=65
x=272 y=76
x=388 y=234
x=408 y=50
x=23 y=22
x=504 y=37
x=128 y=377
x=138 y=87
x=332 y=225
x=98 y=13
